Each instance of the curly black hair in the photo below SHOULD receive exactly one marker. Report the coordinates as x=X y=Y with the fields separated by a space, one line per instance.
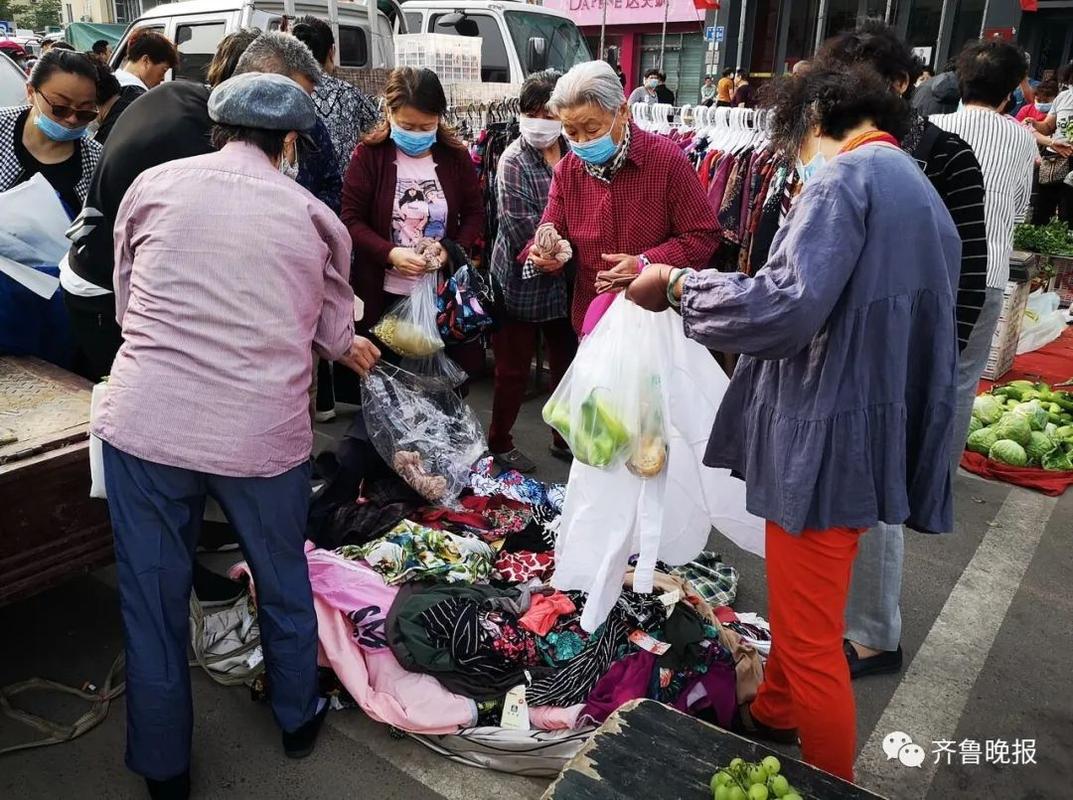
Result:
x=873 y=43
x=836 y=101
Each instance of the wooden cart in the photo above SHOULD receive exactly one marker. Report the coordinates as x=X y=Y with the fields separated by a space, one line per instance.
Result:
x=50 y=529
x=648 y=751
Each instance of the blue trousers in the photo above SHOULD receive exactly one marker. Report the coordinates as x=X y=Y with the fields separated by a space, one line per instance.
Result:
x=156 y=514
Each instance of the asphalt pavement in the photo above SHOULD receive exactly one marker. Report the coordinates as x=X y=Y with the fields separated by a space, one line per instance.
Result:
x=985 y=694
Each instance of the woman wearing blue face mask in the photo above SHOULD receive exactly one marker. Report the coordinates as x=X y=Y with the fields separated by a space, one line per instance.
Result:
x=46 y=136
x=408 y=180
x=840 y=414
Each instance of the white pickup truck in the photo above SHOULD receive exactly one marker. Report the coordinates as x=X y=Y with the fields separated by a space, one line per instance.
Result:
x=516 y=38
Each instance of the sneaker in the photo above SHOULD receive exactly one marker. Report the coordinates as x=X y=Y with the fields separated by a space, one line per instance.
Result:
x=301 y=742
x=879 y=664
x=177 y=788
x=515 y=459
x=325 y=409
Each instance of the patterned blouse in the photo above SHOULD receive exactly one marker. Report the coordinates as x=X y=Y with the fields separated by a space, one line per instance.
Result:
x=347 y=112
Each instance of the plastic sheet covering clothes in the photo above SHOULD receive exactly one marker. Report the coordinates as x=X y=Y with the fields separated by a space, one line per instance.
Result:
x=612 y=513
x=423 y=430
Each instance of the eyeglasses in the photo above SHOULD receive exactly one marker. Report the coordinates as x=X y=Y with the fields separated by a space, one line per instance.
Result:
x=64 y=112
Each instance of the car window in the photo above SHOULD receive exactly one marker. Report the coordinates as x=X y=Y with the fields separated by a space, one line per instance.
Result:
x=353 y=46
x=495 y=68
x=566 y=47
x=197 y=43
x=12 y=83
x=413 y=21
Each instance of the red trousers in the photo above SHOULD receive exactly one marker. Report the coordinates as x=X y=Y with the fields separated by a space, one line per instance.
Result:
x=806 y=681
x=513 y=346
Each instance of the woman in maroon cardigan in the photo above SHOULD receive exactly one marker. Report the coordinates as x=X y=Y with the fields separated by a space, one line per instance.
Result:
x=410 y=178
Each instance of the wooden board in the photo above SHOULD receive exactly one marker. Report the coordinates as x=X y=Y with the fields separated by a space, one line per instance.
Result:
x=648 y=750
x=50 y=529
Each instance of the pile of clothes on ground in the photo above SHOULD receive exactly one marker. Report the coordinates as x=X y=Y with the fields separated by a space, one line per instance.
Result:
x=441 y=622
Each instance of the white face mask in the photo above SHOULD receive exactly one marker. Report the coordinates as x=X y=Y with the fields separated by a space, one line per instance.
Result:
x=290 y=169
x=539 y=133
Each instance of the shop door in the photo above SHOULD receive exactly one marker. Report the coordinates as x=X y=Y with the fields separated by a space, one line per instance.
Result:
x=683 y=63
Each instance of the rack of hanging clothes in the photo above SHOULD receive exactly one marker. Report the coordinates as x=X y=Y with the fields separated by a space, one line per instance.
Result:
x=748 y=183
x=486 y=128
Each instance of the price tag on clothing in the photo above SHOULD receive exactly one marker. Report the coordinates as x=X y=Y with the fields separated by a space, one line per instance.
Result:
x=646 y=642
x=515 y=710
x=672 y=598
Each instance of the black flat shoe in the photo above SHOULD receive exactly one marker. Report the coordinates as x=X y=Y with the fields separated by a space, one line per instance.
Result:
x=561 y=453
x=300 y=743
x=879 y=664
x=177 y=788
x=745 y=724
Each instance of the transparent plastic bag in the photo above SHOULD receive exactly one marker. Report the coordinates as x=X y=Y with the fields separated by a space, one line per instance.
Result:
x=648 y=457
x=422 y=430
x=438 y=367
x=409 y=327
x=597 y=406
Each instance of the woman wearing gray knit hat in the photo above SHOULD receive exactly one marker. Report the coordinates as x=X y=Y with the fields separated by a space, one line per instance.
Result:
x=228 y=276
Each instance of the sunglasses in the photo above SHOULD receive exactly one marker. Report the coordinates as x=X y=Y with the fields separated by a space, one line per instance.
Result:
x=63 y=112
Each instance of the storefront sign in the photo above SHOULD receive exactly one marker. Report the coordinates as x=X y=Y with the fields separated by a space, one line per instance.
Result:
x=588 y=13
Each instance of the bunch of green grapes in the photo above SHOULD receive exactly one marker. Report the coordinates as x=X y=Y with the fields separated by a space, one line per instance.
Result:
x=741 y=780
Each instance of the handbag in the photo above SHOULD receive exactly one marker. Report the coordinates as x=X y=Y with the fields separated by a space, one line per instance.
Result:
x=1053 y=169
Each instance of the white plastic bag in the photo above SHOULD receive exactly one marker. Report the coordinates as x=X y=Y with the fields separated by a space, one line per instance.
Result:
x=409 y=327
x=1042 y=323
x=611 y=513
x=96 y=451
x=596 y=407
x=423 y=430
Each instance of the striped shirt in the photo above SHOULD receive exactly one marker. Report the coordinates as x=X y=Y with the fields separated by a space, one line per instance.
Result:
x=953 y=170
x=1007 y=155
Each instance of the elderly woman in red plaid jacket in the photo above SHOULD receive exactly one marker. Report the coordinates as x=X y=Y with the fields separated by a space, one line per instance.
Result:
x=623 y=197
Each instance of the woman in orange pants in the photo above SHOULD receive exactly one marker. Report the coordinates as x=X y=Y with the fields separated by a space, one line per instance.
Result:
x=839 y=414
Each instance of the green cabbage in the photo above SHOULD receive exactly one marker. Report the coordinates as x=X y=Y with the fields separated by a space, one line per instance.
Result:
x=1009 y=452
x=1060 y=459
x=980 y=441
x=1038 y=446
x=1050 y=429
x=987 y=409
x=974 y=424
x=1014 y=427
x=1034 y=412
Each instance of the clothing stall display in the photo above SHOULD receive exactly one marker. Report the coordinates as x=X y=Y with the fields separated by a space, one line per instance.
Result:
x=749 y=185
x=432 y=624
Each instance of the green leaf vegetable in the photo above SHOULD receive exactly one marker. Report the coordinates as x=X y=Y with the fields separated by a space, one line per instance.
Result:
x=1007 y=451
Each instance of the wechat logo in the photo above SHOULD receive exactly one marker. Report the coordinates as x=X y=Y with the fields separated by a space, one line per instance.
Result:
x=899 y=745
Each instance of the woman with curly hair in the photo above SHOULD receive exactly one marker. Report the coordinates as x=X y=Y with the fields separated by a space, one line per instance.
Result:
x=839 y=414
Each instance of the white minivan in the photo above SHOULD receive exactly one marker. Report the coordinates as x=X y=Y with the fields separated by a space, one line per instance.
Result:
x=197 y=26
x=517 y=38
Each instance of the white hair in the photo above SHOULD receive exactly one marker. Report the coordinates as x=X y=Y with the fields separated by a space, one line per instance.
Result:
x=590 y=83
x=279 y=53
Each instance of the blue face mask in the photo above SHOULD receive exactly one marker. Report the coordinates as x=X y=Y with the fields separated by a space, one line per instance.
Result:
x=1044 y=108
x=413 y=143
x=807 y=171
x=597 y=151
x=54 y=131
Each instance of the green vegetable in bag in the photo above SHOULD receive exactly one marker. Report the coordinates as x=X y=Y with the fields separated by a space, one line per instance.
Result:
x=1006 y=451
x=1014 y=427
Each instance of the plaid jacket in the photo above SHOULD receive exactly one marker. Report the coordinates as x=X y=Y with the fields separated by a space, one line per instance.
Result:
x=12 y=172
x=522 y=186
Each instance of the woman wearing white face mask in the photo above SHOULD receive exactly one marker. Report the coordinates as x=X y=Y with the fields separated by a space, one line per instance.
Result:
x=48 y=135
x=533 y=305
